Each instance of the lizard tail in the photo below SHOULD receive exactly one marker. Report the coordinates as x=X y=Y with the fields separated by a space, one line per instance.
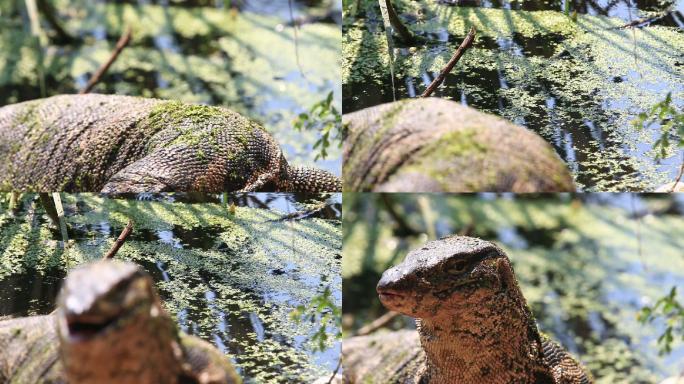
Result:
x=310 y=180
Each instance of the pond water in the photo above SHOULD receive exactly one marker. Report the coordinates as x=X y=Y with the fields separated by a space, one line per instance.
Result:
x=579 y=84
x=232 y=279
x=242 y=55
x=587 y=264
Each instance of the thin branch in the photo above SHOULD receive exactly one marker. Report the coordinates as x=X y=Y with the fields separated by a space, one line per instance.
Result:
x=120 y=45
x=644 y=20
x=678 y=179
x=296 y=38
x=337 y=369
x=398 y=218
x=377 y=323
x=119 y=241
x=467 y=43
x=404 y=33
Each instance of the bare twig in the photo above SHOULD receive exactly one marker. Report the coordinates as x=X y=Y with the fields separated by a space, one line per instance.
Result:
x=337 y=369
x=296 y=39
x=120 y=45
x=678 y=179
x=643 y=20
x=119 y=241
x=405 y=35
x=467 y=43
x=377 y=323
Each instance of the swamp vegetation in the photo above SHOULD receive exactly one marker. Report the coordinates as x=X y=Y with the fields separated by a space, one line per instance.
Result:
x=243 y=55
x=598 y=270
x=256 y=275
x=572 y=71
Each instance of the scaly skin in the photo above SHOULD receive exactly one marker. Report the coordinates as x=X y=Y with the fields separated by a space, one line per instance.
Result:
x=109 y=328
x=119 y=144
x=436 y=145
x=474 y=325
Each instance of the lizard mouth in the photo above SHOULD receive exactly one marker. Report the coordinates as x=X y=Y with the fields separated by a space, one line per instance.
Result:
x=84 y=328
x=389 y=296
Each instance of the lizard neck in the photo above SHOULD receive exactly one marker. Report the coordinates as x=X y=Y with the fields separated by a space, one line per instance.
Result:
x=495 y=341
x=146 y=350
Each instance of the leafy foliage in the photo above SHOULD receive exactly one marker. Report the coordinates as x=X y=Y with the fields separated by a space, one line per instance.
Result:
x=671 y=122
x=321 y=310
x=672 y=311
x=324 y=117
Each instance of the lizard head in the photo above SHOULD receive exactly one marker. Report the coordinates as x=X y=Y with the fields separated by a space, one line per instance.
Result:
x=112 y=327
x=443 y=275
x=101 y=297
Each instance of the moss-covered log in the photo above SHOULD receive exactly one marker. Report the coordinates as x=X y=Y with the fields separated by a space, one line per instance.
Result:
x=435 y=145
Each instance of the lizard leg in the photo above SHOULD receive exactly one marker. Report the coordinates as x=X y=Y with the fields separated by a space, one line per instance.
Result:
x=140 y=177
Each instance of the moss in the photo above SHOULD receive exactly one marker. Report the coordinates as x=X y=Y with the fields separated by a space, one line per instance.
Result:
x=365 y=142
x=197 y=126
x=452 y=145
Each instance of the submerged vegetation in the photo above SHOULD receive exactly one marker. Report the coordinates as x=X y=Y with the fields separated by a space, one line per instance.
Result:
x=231 y=269
x=579 y=81
x=586 y=263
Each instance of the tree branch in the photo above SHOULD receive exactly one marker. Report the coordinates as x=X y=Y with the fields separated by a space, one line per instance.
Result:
x=377 y=323
x=405 y=35
x=467 y=43
x=120 y=45
x=678 y=179
x=119 y=241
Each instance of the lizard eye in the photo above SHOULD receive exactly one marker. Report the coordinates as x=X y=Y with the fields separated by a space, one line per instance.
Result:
x=457 y=267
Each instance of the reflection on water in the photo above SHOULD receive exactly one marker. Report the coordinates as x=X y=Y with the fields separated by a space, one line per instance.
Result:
x=224 y=301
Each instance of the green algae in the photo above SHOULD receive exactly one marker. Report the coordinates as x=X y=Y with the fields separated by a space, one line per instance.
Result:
x=579 y=85
x=220 y=288
x=585 y=268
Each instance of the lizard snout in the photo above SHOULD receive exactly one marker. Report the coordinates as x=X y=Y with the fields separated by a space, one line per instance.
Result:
x=394 y=286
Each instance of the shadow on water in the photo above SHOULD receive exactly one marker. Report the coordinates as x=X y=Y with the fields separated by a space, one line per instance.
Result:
x=30 y=293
